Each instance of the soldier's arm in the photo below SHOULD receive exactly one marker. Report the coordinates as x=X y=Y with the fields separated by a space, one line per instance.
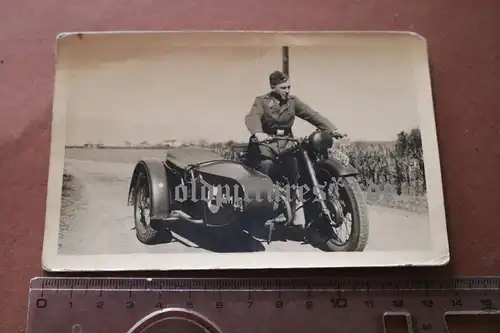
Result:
x=253 y=118
x=304 y=111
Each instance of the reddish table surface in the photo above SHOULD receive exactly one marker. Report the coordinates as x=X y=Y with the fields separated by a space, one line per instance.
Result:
x=464 y=48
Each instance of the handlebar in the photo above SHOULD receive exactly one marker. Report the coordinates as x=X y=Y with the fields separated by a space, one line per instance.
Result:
x=280 y=137
x=338 y=136
x=273 y=138
x=297 y=141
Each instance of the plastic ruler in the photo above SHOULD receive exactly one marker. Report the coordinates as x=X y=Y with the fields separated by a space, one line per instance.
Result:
x=341 y=305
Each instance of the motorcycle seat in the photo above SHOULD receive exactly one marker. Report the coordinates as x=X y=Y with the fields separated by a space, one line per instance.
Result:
x=182 y=157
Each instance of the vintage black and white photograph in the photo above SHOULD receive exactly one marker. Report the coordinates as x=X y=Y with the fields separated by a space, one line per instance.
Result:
x=219 y=150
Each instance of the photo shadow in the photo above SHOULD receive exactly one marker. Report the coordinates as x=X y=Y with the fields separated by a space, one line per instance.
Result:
x=221 y=240
x=286 y=233
x=281 y=233
x=247 y=235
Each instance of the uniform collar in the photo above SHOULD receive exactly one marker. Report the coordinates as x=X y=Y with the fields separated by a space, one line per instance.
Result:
x=277 y=98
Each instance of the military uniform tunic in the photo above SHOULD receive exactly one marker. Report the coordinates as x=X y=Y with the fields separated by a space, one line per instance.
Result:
x=268 y=115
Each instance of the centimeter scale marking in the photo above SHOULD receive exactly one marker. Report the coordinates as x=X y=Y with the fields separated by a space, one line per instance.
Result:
x=272 y=284
x=81 y=305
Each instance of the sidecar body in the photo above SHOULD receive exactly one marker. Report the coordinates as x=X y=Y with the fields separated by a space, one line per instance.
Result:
x=199 y=186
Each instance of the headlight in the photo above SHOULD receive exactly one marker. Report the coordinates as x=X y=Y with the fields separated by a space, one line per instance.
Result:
x=321 y=140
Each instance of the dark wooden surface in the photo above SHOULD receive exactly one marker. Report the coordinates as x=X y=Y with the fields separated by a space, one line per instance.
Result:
x=464 y=48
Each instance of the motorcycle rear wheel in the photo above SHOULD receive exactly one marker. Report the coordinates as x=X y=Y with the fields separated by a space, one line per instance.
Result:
x=148 y=231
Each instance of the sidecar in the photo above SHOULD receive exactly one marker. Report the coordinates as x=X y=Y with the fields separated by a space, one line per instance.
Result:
x=196 y=185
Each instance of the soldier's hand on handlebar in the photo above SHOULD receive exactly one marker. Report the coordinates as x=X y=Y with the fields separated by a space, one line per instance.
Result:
x=262 y=136
x=338 y=135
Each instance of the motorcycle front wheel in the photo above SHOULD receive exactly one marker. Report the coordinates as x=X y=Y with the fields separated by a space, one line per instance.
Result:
x=347 y=198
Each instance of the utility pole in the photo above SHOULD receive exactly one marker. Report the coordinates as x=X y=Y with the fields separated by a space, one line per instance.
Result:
x=286 y=60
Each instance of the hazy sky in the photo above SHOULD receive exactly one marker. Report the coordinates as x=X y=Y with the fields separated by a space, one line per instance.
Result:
x=137 y=89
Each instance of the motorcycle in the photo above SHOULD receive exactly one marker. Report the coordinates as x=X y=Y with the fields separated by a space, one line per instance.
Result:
x=199 y=186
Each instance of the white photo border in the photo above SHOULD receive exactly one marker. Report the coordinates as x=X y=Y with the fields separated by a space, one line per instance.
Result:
x=439 y=255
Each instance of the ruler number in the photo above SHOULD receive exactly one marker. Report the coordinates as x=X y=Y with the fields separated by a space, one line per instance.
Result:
x=279 y=304
x=159 y=305
x=487 y=303
x=428 y=303
x=457 y=302
x=130 y=305
x=309 y=305
x=100 y=305
x=398 y=303
x=426 y=327
x=250 y=303
x=369 y=304
x=339 y=303
x=219 y=305
x=41 y=303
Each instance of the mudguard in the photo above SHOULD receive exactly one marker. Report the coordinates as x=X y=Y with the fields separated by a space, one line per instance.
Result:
x=156 y=174
x=338 y=168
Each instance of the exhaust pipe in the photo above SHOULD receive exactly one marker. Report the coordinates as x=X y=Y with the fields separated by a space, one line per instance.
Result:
x=179 y=214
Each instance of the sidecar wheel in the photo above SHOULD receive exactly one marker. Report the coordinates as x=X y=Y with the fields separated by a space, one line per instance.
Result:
x=148 y=230
x=354 y=208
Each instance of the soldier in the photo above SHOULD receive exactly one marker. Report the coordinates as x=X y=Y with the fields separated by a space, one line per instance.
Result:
x=274 y=114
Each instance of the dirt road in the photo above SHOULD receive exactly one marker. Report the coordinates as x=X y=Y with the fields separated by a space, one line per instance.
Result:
x=97 y=220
